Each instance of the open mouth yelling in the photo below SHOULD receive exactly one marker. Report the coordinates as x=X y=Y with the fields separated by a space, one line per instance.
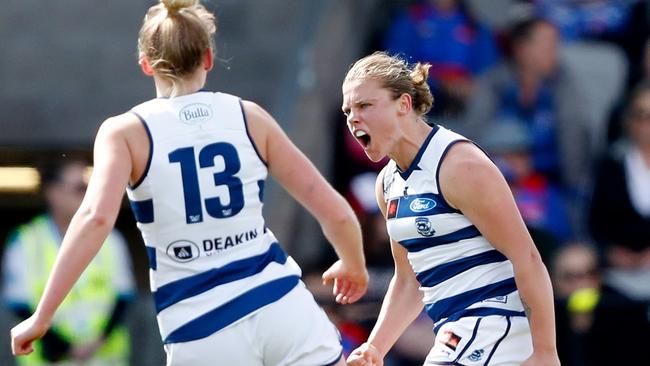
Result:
x=362 y=137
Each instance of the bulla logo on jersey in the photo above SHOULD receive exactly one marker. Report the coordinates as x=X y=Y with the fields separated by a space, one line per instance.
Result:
x=422 y=204
x=183 y=251
x=195 y=112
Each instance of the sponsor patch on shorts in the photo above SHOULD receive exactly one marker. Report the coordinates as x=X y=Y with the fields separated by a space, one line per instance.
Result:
x=449 y=339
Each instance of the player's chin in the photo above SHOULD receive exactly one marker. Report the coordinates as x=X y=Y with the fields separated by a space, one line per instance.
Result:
x=374 y=156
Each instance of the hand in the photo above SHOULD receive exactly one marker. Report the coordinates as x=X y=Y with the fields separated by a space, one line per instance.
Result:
x=25 y=333
x=542 y=359
x=84 y=352
x=349 y=283
x=365 y=355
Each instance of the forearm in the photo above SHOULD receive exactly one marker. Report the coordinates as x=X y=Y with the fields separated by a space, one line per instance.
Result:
x=402 y=304
x=81 y=243
x=536 y=293
x=342 y=230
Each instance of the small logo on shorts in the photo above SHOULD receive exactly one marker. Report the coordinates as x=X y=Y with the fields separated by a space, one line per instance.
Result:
x=183 y=251
x=423 y=225
x=476 y=355
x=449 y=339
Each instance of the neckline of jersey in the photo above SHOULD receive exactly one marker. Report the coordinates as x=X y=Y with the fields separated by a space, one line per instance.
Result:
x=414 y=164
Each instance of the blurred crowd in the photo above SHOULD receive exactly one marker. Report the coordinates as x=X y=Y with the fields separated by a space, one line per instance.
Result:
x=557 y=92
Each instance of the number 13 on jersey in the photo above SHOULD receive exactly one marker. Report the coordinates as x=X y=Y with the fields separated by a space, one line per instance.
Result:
x=214 y=206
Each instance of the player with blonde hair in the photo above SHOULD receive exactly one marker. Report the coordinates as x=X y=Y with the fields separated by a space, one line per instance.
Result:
x=460 y=247
x=194 y=163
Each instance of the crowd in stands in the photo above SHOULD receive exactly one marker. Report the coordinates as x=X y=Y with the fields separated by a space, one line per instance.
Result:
x=558 y=94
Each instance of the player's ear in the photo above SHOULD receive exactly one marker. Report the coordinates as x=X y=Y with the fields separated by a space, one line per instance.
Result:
x=145 y=65
x=404 y=104
x=208 y=59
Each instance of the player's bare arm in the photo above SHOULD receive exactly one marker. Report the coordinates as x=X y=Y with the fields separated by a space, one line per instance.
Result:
x=291 y=168
x=473 y=184
x=402 y=303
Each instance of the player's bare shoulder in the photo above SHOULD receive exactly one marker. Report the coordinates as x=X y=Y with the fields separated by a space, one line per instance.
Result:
x=121 y=125
x=464 y=168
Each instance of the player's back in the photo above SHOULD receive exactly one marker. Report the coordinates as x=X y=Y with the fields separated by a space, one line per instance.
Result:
x=199 y=208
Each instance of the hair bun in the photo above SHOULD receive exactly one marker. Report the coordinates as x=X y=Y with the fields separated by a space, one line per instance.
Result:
x=173 y=6
x=420 y=73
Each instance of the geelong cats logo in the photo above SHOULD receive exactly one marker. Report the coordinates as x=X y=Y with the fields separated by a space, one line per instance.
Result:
x=423 y=225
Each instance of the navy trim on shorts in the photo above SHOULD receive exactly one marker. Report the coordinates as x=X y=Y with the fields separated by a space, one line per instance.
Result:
x=498 y=342
x=481 y=312
x=446 y=363
x=337 y=359
x=243 y=113
x=474 y=333
x=146 y=169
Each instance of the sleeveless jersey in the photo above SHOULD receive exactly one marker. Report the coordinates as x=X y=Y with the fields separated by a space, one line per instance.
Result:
x=199 y=209
x=459 y=271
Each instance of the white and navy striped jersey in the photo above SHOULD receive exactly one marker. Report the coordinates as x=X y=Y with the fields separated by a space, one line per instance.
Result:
x=199 y=209
x=459 y=271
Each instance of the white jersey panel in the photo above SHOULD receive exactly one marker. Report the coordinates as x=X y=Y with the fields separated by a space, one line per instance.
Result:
x=199 y=209
x=459 y=271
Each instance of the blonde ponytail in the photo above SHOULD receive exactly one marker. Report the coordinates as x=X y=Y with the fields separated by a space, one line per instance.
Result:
x=174 y=37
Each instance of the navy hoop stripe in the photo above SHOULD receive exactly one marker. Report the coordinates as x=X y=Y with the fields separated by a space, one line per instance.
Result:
x=443 y=272
x=151 y=255
x=187 y=287
x=233 y=310
x=418 y=244
x=143 y=211
x=446 y=307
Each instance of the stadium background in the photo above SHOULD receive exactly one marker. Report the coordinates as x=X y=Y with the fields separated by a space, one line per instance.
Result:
x=67 y=66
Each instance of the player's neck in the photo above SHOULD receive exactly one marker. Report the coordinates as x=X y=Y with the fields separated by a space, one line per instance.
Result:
x=183 y=86
x=412 y=138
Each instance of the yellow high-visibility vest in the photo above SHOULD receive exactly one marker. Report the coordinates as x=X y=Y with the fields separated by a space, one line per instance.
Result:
x=84 y=313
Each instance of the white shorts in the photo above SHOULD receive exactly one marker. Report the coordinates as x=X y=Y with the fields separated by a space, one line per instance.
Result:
x=291 y=331
x=492 y=340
